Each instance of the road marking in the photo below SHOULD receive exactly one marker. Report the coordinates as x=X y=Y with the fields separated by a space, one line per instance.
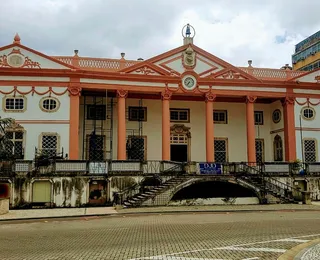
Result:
x=164 y=257
x=292 y=240
x=252 y=249
x=231 y=246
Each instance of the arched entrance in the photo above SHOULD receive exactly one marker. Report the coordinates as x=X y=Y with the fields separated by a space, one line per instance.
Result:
x=212 y=192
x=180 y=140
x=277 y=149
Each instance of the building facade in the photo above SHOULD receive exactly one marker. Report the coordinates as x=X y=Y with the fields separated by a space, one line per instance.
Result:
x=307 y=54
x=184 y=105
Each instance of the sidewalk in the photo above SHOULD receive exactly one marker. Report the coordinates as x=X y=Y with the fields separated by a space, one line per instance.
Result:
x=220 y=208
x=305 y=251
x=102 y=211
x=56 y=213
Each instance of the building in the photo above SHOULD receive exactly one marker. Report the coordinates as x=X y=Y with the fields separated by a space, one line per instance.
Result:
x=106 y=118
x=307 y=54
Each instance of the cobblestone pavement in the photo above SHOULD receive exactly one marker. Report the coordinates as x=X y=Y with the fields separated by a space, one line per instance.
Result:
x=185 y=236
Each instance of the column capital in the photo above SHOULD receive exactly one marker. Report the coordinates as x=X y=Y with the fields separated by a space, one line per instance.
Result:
x=251 y=99
x=166 y=95
x=122 y=93
x=288 y=101
x=210 y=97
x=74 y=89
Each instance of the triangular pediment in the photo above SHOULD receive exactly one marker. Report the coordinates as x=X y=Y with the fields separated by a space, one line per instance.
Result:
x=19 y=56
x=191 y=58
x=145 y=68
x=310 y=77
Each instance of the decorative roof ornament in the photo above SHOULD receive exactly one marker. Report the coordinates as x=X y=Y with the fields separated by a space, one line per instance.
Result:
x=16 y=39
x=188 y=33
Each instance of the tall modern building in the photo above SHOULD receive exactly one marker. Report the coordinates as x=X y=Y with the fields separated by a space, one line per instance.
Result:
x=307 y=53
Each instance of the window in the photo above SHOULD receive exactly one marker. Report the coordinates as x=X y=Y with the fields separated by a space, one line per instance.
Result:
x=277 y=149
x=137 y=114
x=49 y=144
x=15 y=103
x=220 y=150
x=96 y=145
x=180 y=115
x=49 y=104
x=276 y=116
x=310 y=150
x=258 y=117
x=308 y=113
x=15 y=147
x=220 y=116
x=259 y=150
x=136 y=148
x=96 y=112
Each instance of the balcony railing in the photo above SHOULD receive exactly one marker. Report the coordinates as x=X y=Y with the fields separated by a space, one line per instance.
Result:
x=116 y=167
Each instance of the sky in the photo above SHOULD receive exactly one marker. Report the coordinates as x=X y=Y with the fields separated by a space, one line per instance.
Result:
x=233 y=30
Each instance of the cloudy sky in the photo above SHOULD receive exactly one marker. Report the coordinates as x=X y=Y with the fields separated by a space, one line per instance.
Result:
x=234 y=30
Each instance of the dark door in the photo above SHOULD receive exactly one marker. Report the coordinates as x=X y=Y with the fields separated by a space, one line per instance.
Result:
x=179 y=152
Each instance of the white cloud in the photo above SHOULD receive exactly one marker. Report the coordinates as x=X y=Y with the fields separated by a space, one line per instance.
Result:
x=232 y=30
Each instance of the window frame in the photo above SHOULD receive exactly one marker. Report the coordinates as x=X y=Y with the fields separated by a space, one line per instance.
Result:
x=4 y=102
x=225 y=139
x=315 y=152
x=262 y=116
x=131 y=108
x=180 y=110
x=145 y=140
x=103 y=148
x=90 y=106
x=280 y=116
x=48 y=110
x=49 y=134
x=306 y=118
x=14 y=139
x=225 y=112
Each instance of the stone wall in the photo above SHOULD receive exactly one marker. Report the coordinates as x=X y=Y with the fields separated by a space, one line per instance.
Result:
x=4 y=206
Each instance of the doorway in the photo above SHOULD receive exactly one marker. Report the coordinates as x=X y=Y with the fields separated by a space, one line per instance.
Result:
x=180 y=143
x=179 y=152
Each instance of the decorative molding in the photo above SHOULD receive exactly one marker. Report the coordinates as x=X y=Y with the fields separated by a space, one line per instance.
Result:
x=180 y=129
x=251 y=99
x=15 y=59
x=308 y=102
x=288 y=101
x=121 y=93
x=166 y=94
x=74 y=90
x=146 y=71
x=33 y=91
x=210 y=97
x=189 y=58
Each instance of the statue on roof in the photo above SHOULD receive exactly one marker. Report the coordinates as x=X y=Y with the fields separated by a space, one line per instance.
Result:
x=188 y=31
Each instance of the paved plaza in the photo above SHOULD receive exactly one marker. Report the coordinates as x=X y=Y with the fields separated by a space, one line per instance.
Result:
x=183 y=236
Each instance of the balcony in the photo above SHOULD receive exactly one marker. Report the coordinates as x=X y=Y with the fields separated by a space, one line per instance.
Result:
x=135 y=168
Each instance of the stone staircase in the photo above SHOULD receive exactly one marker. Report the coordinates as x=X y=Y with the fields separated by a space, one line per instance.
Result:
x=269 y=186
x=139 y=198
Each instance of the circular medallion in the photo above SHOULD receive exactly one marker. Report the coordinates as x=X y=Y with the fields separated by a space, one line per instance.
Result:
x=15 y=60
x=189 y=82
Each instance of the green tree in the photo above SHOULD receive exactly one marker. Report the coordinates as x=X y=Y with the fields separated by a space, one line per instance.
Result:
x=5 y=143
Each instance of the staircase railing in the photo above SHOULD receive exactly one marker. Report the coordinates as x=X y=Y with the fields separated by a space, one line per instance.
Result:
x=177 y=168
x=126 y=193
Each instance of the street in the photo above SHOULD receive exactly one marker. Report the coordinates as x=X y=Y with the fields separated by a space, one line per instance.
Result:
x=184 y=236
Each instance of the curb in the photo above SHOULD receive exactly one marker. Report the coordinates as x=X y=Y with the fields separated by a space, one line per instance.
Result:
x=159 y=212
x=296 y=252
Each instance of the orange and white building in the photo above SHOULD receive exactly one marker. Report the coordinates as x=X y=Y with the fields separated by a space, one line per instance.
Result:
x=185 y=104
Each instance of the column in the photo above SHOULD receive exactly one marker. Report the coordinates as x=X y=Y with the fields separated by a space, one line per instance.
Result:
x=289 y=129
x=251 y=135
x=209 y=97
x=166 y=96
x=122 y=153
x=74 y=93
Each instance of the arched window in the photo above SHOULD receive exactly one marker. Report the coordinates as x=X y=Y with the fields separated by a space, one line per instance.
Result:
x=277 y=149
